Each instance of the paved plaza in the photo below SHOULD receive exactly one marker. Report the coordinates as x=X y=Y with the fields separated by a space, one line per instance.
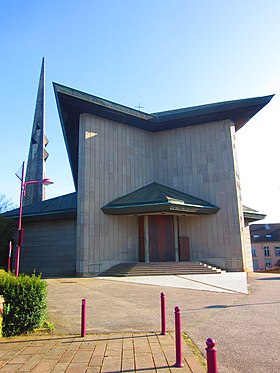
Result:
x=123 y=326
x=111 y=353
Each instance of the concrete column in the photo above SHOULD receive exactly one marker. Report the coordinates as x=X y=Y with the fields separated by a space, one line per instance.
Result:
x=176 y=238
x=146 y=238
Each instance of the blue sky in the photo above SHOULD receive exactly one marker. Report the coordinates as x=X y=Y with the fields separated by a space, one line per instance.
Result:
x=164 y=54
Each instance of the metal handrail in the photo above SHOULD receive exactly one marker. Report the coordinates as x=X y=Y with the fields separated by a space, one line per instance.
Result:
x=211 y=255
x=110 y=257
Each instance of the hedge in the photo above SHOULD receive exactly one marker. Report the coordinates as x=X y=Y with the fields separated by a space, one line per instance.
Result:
x=25 y=304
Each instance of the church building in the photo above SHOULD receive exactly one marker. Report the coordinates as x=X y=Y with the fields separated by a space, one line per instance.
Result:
x=150 y=187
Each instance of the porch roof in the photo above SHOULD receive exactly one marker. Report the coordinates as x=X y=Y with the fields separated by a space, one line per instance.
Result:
x=158 y=198
x=66 y=206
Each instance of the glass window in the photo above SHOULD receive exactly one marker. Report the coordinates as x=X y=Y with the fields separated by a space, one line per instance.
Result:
x=255 y=264
x=268 y=264
x=277 y=250
x=266 y=251
x=254 y=253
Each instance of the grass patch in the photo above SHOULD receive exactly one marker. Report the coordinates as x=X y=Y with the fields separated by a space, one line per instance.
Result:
x=46 y=328
x=270 y=270
x=195 y=350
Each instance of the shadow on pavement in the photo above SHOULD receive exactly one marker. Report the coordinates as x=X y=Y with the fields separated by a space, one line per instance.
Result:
x=112 y=338
x=268 y=278
x=238 y=305
x=75 y=338
x=17 y=339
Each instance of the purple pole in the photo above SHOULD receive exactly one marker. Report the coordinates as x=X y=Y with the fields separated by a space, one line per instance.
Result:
x=83 y=323
x=211 y=354
x=178 y=338
x=10 y=255
x=163 y=314
x=20 y=230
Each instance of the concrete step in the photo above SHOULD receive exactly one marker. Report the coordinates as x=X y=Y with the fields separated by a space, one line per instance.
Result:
x=159 y=269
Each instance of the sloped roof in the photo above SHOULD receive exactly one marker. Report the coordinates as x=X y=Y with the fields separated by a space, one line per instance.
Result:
x=252 y=215
x=58 y=207
x=72 y=103
x=158 y=198
x=265 y=233
x=66 y=206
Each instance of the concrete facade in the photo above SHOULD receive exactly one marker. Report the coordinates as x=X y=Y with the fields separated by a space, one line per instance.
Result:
x=185 y=160
x=248 y=260
x=49 y=247
x=115 y=159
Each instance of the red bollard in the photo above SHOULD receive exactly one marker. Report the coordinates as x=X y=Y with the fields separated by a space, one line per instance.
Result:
x=163 y=314
x=83 y=323
x=211 y=355
x=178 y=338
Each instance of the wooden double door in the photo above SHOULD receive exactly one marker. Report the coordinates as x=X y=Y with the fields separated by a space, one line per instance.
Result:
x=157 y=240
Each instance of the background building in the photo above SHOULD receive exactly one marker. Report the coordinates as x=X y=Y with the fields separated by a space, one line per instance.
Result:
x=265 y=240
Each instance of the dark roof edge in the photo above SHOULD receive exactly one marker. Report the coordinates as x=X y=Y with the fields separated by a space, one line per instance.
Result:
x=33 y=210
x=159 y=208
x=64 y=133
x=218 y=106
x=59 y=88
x=160 y=117
x=252 y=216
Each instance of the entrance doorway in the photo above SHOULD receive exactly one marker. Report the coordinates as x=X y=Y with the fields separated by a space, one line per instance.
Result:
x=159 y=238
x=184 y=248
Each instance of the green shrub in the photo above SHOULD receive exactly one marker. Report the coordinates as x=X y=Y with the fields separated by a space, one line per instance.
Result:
x=25 y=305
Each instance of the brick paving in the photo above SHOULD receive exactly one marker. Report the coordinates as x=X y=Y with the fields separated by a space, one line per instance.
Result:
x=110 y=353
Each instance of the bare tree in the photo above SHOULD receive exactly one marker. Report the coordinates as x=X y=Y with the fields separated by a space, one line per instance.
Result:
x=5 y=203
x=6 y=229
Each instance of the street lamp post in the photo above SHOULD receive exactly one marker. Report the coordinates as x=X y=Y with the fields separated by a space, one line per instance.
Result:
x=45 y=181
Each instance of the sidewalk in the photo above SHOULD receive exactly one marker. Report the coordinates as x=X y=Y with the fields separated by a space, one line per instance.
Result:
x=229 y=282
x=110 y=353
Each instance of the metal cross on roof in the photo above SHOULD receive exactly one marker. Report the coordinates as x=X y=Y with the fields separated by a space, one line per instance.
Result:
x=139 y=107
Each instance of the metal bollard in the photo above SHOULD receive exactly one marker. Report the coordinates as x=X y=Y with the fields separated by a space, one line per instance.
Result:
x=178 y=338
x=211 y=355
x=163 y=314
x=10 y=255
x=83 y=322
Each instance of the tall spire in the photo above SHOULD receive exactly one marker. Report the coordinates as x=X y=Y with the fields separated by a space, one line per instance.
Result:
x=38 y=155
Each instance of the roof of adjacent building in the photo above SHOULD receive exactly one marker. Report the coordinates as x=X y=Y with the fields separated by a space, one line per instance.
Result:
x=72 y=103
x=55 y=208
x=158 y=198
x=265 y=233
x=252 y=215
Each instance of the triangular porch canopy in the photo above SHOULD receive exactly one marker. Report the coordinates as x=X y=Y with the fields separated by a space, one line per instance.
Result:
x=158 y=198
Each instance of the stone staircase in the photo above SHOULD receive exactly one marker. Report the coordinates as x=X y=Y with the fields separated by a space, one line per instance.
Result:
x=160 y=269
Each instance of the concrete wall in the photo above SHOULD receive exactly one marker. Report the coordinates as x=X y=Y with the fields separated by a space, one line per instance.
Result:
x=49 y=247
x=248 y=260
x=115 y=159
x=206 y=154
